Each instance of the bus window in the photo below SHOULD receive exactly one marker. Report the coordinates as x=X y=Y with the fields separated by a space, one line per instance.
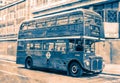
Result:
x=32 y=25
x=37 y=46
x=89 y=46
x=48 y=46
x=79 y=46
x=39 y=25
x=71 y=45
x=24 y=27
x=51 y=46
x=60 y=47
x=45 y=46
x=75 y=19
x=30 y=46
x=62 y=20
x=40 y=20
x=43 y=24
x=50 y=23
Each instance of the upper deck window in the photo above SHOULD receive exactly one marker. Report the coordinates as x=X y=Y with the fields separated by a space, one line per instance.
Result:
x=91 y=19
x=62 y=20
x=76 y=18
x=39 y=25
x=111 y=16
x=51 y=22
x=24 y=26
x=31 y=25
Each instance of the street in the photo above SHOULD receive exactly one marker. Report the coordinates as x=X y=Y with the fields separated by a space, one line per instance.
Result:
x=10 y=72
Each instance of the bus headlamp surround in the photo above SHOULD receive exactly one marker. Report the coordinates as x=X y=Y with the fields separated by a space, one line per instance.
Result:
x=87 y=62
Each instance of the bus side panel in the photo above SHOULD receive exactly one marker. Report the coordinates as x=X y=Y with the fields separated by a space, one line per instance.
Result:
x=57 y=61
x=39 y=59
x=21 y=56
x=21 y=52
x=61 y=61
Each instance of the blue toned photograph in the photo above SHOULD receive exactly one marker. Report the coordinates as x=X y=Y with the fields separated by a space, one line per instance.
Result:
x=59 y=41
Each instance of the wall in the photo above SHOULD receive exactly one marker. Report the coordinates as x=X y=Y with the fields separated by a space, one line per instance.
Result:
x=8 y=48
x=109 y=50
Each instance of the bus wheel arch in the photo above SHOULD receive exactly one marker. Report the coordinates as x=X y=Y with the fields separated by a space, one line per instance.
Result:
x=74 y=68
x=28 y=62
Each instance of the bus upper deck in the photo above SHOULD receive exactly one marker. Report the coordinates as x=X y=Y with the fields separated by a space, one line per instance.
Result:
x=80 y=22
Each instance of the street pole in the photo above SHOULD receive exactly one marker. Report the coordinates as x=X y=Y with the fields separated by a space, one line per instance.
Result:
x=111 y=54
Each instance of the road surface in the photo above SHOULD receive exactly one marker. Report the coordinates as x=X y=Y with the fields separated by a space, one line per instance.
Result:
x=10 y=72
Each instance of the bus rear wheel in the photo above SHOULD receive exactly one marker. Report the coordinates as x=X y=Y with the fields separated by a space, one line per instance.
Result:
x=28 y=63
x=75 y=69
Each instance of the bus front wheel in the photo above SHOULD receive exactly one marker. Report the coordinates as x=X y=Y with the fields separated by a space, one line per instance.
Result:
x=28 y=63
x=75 y=69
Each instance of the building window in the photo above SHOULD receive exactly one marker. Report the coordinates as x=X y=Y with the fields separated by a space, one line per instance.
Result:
x=1 y=1
x=21 y=13
x=111 y=16
x=38 y=2
x=45 y=1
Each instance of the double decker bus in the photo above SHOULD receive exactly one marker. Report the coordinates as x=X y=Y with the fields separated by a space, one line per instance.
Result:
x=63 y=41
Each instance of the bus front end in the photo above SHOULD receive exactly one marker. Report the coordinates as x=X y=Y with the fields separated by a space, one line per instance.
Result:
x=94 y=64
x=94 y=32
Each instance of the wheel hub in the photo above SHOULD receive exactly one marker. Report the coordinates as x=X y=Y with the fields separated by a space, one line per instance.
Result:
x=74 y=69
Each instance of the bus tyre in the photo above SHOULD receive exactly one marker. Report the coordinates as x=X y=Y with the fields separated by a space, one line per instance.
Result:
x=28 y=63
x=75 y=70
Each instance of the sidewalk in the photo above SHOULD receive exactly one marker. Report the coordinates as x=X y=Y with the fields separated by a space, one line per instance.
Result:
x=109 y=68
x=112 y=69
x=8 y=57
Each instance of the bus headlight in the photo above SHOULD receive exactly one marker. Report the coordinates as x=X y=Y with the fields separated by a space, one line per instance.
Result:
x=87 y=62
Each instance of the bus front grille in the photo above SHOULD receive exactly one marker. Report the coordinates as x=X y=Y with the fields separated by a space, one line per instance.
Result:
x=96 y=64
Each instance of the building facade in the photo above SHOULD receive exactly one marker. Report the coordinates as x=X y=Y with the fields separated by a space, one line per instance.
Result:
x=2 y=3
x=12 y=14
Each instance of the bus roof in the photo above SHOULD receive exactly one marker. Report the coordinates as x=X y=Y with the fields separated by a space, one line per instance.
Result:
x=62 y=13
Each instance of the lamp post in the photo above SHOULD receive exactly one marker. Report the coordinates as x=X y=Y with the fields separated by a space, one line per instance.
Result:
x=111 y=51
